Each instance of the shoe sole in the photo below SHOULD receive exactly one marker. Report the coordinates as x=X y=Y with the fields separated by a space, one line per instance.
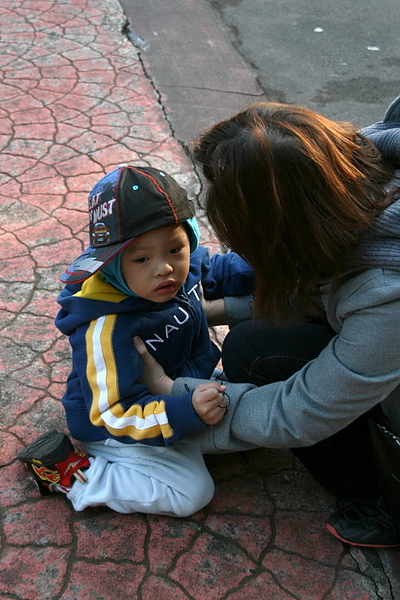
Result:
x=51 y=448
x=335 y=533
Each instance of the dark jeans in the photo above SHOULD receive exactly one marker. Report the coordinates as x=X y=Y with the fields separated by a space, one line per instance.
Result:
x=260 y=353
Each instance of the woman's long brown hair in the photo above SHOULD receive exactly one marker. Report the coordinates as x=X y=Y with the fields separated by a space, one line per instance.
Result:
x=290 y=191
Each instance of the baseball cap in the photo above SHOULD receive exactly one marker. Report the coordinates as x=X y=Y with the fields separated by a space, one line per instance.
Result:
x=123 y=205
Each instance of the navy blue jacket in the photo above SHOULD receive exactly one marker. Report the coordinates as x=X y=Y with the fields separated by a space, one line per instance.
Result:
x=103 y=397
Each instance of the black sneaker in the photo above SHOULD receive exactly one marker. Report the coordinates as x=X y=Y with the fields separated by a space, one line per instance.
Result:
x=53 y=461
x=364 y=525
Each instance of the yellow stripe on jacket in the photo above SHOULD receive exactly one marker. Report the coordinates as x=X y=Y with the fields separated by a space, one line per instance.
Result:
x=138 y=422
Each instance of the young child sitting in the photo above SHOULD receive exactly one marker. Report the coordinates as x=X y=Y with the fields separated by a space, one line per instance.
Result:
x=142 y=275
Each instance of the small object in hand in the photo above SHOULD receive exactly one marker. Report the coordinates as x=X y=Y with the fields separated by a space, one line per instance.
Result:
x=228 y=400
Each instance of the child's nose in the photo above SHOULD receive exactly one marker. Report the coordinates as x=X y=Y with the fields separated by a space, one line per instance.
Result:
x=164 y=268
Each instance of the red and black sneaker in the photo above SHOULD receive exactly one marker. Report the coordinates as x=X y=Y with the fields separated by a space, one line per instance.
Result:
x=364 y=525
x=54 y=461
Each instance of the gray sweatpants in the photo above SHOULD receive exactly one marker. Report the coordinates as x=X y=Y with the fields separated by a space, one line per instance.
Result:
x=132 y=478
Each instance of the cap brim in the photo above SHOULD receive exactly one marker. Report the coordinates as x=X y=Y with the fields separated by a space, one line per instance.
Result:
x=90 y=261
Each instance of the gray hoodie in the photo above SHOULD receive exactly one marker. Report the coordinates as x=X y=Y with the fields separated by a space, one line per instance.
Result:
x=358 y=369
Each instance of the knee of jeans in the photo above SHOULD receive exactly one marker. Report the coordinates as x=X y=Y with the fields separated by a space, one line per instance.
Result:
x=274 y=368
x=196 y=499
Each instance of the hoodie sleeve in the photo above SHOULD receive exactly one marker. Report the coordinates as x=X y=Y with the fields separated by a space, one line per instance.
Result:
x=108 y=368
x=223 y=274
x=358 y=369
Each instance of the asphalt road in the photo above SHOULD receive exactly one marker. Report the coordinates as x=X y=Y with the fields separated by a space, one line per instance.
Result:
x=210 y=58
x=341 y=58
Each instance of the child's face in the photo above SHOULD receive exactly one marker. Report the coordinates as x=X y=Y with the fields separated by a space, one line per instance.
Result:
x=156 y=264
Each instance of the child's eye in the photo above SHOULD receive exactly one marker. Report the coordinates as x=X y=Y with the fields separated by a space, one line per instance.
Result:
x=142 y=259
x=176 y=250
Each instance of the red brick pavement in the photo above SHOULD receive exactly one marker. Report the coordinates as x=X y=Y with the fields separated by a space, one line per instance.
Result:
x=75 y=101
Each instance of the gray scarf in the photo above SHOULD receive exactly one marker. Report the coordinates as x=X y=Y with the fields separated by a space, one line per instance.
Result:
x=386 y=134
x=380 y=245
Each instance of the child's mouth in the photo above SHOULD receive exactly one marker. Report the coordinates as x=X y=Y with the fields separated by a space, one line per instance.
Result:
x=165 y=288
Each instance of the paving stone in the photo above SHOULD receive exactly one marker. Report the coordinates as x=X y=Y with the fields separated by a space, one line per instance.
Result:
x=33 y=573
x=302 y=577
x=158 y=588
x=102 y=534
x=306 y=530
x=31 y=524
x=10 y=447
x=211 y=568
x=260 y=587
x=169 y=538
x=103 y=581
x=243 y=495
x=252 y=534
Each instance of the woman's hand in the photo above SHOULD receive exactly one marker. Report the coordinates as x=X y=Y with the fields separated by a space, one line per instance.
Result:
x=154 y=377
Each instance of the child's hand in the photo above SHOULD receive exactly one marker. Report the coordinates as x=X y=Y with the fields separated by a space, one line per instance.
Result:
x=209 y=403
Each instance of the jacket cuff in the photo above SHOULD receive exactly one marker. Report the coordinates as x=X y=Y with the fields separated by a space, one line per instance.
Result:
x=238 y=309
x=181 y=414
